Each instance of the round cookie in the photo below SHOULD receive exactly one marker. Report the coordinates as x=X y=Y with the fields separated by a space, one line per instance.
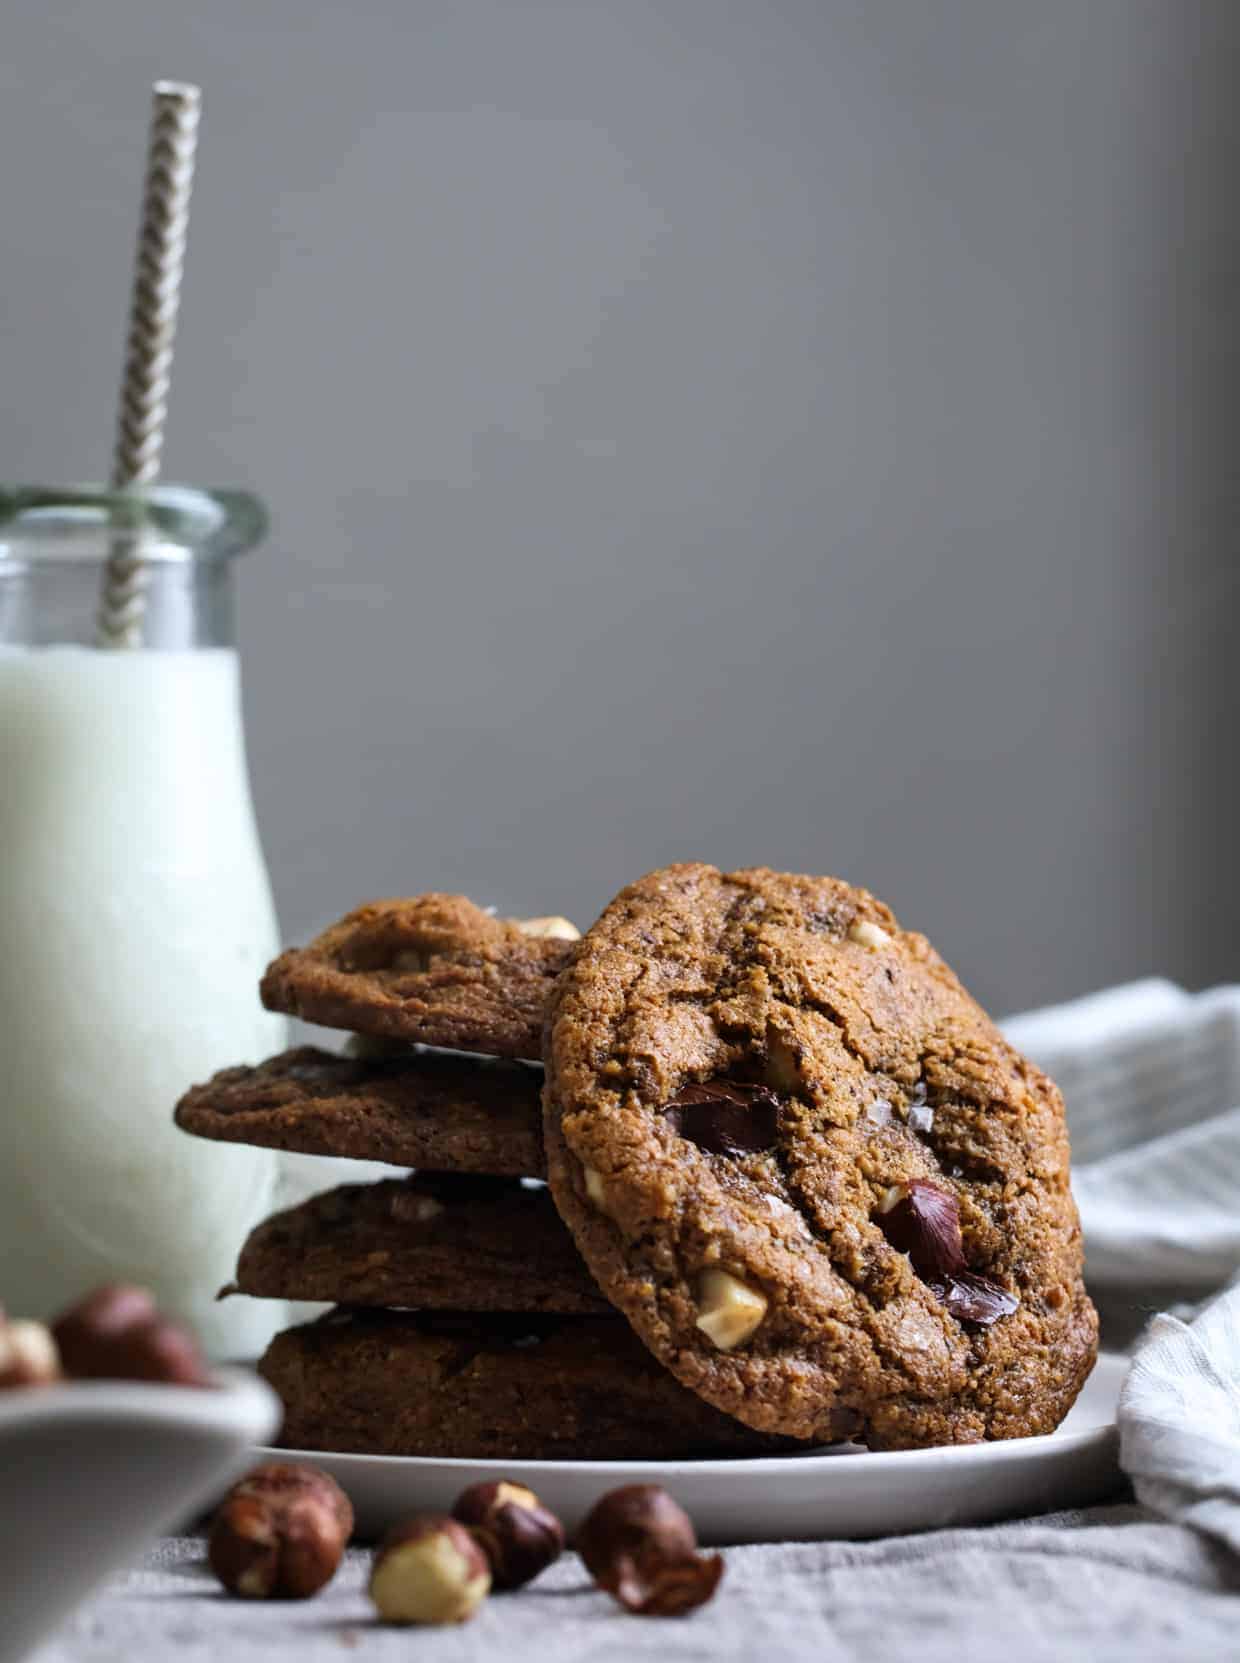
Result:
x=437 y=1241
x=426 y=1109
x=805 y=1164
x=491 y=1388
x=435 y=969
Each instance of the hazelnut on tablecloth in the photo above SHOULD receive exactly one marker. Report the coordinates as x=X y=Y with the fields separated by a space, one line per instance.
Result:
x=280 y=1532
x=429 y=1570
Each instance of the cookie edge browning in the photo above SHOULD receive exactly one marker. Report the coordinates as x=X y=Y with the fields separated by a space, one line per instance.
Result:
x=322 y=1258
x=666 y=1422
x=310 y=1124
x=725 y=1377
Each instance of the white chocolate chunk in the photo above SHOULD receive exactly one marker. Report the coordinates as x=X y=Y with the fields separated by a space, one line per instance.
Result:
x=730 y=1309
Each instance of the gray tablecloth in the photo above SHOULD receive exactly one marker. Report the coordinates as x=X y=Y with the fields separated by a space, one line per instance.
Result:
x=1108 y=1585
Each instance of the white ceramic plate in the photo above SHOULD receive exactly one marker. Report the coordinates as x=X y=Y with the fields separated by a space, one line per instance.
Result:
x=846 y=1493
x=91 y=1471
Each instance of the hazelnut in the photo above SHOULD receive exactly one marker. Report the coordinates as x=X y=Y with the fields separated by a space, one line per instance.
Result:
x=118 y=1333
x=28 y=1355
x=923 y=1220
x=280 y=1532
x=868 y=934
x=551 y=929
x=519 y=1536
x=595 y=1187
x=730 y=1309
x=429 y=1570
x=640 y=1546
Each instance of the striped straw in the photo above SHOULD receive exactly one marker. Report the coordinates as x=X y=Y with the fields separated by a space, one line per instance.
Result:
x=154 y=303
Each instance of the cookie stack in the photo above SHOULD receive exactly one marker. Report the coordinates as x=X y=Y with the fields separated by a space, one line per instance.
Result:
x=466 y=1322
x=799 y=1187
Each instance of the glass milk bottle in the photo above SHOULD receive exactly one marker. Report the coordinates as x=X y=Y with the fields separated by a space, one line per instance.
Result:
x=135 y=909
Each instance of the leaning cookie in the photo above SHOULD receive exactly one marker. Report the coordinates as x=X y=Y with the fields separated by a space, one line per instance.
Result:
x=807 y=1167
x=436 y=970
x=440 y=1242
x=426 y=1109
x=490 y=1388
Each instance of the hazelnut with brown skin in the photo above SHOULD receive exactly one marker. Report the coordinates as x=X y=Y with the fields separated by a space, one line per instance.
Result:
x=280 y=1532
x=429 y=1569
x=641 y=1546
x=519 y=1536
x=118 y=1333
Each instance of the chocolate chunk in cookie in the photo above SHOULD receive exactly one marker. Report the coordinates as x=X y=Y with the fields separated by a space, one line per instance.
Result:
x=441 y=1242
x=422 y=1108
x=435 y=969
x=808 y=1168
x=490 y=1388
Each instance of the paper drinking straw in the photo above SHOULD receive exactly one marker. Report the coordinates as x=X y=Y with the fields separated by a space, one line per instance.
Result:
x=153 y=309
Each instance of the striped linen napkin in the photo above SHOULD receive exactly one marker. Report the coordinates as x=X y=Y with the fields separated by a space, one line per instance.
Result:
x=1151 y=1078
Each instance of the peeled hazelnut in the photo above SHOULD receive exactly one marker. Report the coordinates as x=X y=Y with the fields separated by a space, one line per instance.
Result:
x=595 y=1189
x=117 y=1333
x=551 y=929
x=730 y=1309
x=280 y=1532
x=868 y=934
x=28 y=1355
x=640 y=1545
x=519 y=1536
x=429 y=1570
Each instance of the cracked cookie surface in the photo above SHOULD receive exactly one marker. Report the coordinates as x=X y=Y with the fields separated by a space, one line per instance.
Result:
x=440 y=1242
x=425 y=1109
x=490 y=1388
x=805 y=1164
x=434 y=969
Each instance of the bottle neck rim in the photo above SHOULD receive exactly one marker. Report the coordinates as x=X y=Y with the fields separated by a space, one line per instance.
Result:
x=80 y=523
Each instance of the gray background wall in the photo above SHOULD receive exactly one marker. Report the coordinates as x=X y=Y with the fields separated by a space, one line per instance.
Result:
x=789 y=431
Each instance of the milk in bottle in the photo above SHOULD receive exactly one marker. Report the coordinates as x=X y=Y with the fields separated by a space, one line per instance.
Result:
x=135 y=919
